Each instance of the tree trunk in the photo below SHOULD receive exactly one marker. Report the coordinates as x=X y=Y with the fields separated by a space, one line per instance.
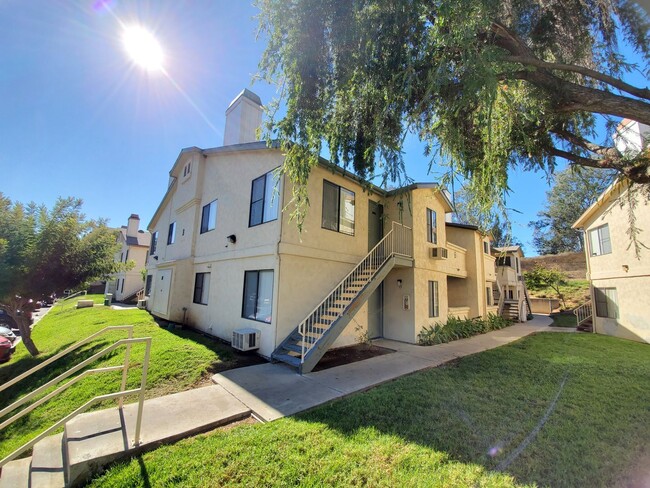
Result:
x=26 y=334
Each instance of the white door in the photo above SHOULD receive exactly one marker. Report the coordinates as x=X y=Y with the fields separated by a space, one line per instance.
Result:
x=162 y=285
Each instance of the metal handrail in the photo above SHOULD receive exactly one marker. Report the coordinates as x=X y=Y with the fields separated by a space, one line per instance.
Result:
x=584 y=312
x=119 y=395
x=75 y=294
x=77 y=345
x=398 y=242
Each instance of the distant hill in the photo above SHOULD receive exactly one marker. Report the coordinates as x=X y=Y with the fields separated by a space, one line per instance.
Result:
x=572 y=263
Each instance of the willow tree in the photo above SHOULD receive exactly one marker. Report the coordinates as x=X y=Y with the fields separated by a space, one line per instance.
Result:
x=487 y=85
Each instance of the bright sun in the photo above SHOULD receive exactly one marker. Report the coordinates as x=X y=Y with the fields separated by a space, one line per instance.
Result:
x=143 y=48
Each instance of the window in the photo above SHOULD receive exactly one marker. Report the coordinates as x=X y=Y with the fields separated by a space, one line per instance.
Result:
x=201 y=288
x=606 y=303
x=338 y=208
x=432 y=228
x=126 y=258
x=599 y=240
x=264 y=199
x=488 y=295
x=434 y=304
x=147 y=285
x=122 y=287
x=517 y=264
x=154 y=243
x=209 y=217
x=258 y=296
x=171 y=235
x=486 y=247
x=187 y=169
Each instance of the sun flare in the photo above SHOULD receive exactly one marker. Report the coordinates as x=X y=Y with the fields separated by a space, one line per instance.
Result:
x=143 y=48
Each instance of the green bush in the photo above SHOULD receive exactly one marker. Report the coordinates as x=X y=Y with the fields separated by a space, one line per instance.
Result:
x=456 y=328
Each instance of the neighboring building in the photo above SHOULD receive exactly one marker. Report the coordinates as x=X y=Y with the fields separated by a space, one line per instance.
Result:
x=134 y=246
x=368 y=263
x=510 y=291
x=619 y=279
x=631 y=137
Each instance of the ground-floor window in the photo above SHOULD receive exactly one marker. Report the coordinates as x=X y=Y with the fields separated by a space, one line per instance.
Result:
x=201 y=288
x=488 y=295
x=434 y=304
x=606 y=303
x=147 y=286
x=258 y=295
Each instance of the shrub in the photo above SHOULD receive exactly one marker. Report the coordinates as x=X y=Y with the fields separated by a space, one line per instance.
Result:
x=456 y=328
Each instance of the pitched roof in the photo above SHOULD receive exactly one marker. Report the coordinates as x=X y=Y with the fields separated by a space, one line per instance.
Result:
x=143 y=239
x=598 y=204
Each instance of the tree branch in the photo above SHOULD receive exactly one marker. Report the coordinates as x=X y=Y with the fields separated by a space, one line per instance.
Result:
x=606 y=151
x=569 y=96
x=610 y=80
x=637 y=173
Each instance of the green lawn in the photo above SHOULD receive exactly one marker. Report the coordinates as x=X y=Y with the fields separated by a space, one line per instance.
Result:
x=449 y=426
x=179 y=360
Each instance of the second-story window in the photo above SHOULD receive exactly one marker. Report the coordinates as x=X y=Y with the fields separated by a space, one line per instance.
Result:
x=171 y=234
x=432 y=226
x=338 y=208
x=154 y=243
x=209 y=217
x=264 y=199
x=599 y=240
x=486 y=247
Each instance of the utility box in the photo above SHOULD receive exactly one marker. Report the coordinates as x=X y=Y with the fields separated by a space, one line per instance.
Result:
x=108 y=298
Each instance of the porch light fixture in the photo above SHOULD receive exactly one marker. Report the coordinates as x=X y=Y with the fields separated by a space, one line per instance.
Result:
x=232 y=238
x=399 y=283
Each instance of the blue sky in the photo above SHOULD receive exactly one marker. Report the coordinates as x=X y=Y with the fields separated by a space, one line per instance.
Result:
x=78 y=119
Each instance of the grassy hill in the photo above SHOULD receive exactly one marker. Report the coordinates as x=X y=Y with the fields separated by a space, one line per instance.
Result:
x=573 y=264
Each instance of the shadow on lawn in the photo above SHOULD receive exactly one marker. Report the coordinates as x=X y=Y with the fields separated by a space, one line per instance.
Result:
x=484 y=408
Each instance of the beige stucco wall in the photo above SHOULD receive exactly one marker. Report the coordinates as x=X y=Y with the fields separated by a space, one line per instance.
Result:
x=621 y=269
x=632 y=295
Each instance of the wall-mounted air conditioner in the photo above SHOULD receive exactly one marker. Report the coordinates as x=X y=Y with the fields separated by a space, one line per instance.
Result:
x=246 y=339
x=439 y=252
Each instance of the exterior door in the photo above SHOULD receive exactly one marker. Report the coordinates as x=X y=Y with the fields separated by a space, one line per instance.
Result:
x=162 y=287
x=376 y=300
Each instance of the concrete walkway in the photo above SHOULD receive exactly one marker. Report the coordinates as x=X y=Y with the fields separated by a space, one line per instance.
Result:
x=272 y=391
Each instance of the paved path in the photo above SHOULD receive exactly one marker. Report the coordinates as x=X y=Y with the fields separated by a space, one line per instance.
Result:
x=273 y=391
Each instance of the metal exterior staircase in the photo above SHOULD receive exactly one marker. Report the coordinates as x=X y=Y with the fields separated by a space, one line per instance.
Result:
x=584 y=317
x=305 y=346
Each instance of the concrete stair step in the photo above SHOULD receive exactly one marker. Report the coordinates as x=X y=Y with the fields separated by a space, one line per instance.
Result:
x=15 y=474
x=290 y=360
x=48 y=463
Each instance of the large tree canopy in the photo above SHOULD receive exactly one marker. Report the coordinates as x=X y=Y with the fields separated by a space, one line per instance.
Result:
x=572 y=193
x=44 y=251
x=487 y=84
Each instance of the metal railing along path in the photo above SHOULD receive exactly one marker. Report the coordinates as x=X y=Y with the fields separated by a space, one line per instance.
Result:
x=76 y=294
x=398 y=242
x=119 y=395
x=584 y=312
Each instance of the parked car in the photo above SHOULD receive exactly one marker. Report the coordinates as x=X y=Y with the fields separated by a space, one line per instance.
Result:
x=7 y=321
x=7 y=333
x=6 y=349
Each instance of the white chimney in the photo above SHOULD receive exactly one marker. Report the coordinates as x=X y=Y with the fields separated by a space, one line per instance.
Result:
x=243 y=118
x=134 y=224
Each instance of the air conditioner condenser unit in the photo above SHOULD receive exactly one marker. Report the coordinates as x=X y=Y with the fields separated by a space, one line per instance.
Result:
x=246 y=339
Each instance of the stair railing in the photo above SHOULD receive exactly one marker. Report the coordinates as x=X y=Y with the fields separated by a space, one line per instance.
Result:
x=584 y=312
x=398 y=241
x=76 y=294
x=119 y=395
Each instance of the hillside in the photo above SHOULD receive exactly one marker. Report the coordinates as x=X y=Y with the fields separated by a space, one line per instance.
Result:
x=572 y=263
